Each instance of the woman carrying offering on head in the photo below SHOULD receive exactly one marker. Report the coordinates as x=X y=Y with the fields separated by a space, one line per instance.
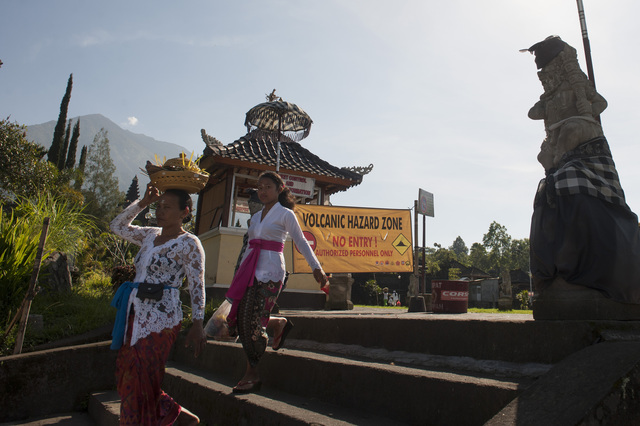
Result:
x=149 y=309
x=257 y=283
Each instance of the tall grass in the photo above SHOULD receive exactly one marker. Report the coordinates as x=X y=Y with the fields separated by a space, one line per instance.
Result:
x=69 y=227
x=19 y=238
x=18 y=248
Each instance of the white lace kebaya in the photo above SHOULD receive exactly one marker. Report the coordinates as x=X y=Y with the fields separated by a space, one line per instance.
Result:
x=168 y=264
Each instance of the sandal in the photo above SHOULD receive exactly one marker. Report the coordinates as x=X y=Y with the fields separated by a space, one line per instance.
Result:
x=283 y=335
x=255 y=386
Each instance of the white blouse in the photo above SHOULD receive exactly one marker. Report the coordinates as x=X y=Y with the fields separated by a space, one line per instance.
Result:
x=278 y=222
x=168 y=263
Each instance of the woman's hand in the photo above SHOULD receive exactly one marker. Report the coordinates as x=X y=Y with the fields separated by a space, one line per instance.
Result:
x=322 y=279
x=151 y=195
x=196 y=338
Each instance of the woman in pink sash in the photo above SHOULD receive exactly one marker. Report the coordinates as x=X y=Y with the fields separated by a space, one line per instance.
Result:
x=257 y=284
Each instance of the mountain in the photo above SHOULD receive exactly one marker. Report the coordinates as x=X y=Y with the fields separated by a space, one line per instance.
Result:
x=129 y=151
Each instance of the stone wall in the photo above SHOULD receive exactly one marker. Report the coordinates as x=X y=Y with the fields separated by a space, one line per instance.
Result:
x=54 y=381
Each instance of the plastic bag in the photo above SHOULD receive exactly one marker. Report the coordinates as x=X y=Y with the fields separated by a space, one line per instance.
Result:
x=217 y=327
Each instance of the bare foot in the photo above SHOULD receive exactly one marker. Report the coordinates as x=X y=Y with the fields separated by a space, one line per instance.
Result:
x=187 y=418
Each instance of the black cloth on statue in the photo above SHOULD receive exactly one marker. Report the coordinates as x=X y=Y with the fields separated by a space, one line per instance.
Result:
x=587 y=241
x=582 y=229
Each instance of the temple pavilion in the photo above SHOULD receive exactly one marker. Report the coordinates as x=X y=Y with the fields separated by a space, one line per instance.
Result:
x=222 y=210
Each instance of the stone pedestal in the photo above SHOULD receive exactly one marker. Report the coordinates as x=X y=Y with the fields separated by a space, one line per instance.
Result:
x=417 y=304
x=505 y=303
x=564 y=301
x=427 y=301
x=339 y=292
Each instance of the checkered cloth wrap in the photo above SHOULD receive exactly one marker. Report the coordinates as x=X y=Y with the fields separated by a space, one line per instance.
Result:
x=589 y=169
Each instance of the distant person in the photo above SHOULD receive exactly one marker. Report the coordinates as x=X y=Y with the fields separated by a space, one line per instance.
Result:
x=149 y=310
x=258 y=282
x=395 y=299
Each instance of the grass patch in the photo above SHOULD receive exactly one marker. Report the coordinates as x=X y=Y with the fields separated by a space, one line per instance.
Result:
x=474 y=310
x=84 y=309
x=497 y=311
x=381 y=307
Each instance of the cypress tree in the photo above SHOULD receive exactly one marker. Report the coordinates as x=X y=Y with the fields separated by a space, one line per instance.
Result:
x=73 y=147
x=80 y=171
x=55 y=151
x=65 y=146
x=133 y=193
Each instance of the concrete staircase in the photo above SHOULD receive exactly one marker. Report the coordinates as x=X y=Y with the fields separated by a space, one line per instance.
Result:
x=384 y=367
x=372 y=369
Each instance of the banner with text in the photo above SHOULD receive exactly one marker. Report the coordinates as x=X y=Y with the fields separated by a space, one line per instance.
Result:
x=354 y=239
x=300 y=186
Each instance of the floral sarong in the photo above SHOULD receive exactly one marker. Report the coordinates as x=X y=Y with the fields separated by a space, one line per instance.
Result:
x=139 y=372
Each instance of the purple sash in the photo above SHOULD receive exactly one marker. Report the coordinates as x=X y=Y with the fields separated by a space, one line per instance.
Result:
x=246 y=273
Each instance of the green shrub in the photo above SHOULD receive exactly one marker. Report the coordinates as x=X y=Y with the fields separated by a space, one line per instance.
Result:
x=18 y=248
x=525 y=299
x=86 y=308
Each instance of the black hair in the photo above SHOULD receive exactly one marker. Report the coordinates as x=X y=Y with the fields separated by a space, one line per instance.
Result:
x=184 y=201
x=285 y=198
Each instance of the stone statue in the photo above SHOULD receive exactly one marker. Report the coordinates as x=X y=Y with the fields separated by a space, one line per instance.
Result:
x=569 y=106
x=505 y=286
x=582 y=231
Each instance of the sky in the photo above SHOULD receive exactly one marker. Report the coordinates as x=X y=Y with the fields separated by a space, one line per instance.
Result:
x=434 y=94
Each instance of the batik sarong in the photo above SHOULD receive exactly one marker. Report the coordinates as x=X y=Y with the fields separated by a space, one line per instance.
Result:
x=253 y=316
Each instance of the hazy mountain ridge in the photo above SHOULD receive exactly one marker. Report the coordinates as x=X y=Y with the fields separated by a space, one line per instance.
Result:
x=129 y=151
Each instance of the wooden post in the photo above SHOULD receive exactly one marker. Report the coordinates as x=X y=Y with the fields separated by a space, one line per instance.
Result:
x=26 y=304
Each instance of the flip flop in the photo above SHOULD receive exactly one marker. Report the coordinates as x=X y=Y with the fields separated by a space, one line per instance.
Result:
x=285 y=331
x=255 y=386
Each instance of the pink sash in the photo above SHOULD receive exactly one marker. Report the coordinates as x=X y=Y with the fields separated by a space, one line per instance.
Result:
x=246 y=273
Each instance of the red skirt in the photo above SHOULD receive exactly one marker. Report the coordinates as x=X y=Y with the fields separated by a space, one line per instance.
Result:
x=139 y=373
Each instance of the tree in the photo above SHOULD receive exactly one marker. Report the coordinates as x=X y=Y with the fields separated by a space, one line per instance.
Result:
x=519 y=254
x=101 y=186
x=55 y=151
x=65 y=147
x=498 y=242
x=23 y=170
x=79 y=180
x=460 y=249
x=133 y=193
x=73 y=147
x=479 y=258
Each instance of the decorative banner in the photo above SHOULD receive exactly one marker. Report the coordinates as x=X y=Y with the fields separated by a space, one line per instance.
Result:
x=352 y=239
x=425 y=203
x=300 y=186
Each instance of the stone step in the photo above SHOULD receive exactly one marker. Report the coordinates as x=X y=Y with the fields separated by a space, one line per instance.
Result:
x=457 y=364
x=415 y=395
x=503 y=337
x=104 y=408
x=209 y=396
x=66 y=419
